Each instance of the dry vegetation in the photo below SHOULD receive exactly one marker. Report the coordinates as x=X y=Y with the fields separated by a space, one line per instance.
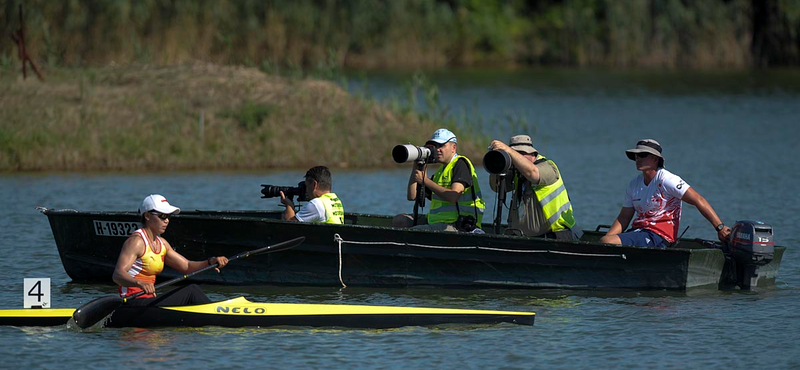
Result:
x=199 y=116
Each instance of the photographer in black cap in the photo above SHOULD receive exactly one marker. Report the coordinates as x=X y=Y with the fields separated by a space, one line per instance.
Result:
x=540 y=206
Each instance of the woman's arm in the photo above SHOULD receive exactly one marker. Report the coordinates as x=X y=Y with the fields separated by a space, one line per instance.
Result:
x=181 y=264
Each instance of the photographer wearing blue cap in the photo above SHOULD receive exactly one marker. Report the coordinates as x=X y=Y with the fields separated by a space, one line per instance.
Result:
x=455 y=195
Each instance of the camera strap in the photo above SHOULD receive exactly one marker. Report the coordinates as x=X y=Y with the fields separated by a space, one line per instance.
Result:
x=522 y=181
x=520 y=188
x=474 y=207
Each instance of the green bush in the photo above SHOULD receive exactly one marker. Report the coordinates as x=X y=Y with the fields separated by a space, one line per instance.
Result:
x=327 y=35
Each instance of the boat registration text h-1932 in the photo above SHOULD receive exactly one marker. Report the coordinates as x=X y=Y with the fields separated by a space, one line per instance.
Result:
x=115 y=228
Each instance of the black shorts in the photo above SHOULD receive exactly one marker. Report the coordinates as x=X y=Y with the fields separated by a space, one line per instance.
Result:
x=183 y=296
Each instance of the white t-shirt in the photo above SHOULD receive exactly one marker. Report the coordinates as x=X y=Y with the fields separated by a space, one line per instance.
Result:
x=657 y=205
x=314 y=211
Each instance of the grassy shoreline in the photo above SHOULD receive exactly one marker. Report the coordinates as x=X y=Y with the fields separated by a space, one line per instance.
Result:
x=201 y=117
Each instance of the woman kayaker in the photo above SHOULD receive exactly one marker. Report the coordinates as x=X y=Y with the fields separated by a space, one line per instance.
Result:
x=145 y=253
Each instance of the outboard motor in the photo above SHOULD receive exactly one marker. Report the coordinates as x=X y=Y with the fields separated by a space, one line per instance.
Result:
x=752 y=245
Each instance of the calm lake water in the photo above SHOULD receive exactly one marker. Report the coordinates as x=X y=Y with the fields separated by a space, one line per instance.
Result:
x=732 y=136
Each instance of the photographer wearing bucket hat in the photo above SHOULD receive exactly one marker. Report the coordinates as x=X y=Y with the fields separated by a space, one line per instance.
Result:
x=145 y=253
x=455 y=195
x=324 y=207
x=540 y=205
x=654 y=197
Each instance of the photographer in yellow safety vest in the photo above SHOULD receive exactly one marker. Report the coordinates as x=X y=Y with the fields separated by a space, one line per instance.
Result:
x=540 y=205
x=455 y=195
x=324 y=207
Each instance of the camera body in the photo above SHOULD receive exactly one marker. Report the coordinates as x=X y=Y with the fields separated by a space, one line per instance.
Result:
x=497 y=162
x=271 y=191
x=412 y=153
x=466 y=223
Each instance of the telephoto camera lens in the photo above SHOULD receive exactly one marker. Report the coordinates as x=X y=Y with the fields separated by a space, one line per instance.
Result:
x=497 y=162
x=271 y=191
x=412 y=153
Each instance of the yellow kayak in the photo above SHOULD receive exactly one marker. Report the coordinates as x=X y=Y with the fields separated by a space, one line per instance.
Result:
x=239 y=312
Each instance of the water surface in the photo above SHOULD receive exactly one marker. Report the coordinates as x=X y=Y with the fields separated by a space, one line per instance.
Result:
x=730 y=135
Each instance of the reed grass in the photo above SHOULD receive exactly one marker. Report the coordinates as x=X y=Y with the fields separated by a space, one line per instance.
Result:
x=385 y=34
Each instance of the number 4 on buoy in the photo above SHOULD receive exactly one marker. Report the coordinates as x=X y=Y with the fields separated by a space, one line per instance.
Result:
x=36 y=293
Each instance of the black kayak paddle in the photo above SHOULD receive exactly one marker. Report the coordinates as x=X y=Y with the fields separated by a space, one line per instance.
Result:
x=94 y=311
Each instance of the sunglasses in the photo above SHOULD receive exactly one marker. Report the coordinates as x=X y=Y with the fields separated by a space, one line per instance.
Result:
x=642 y=155
x=436 y=145
x=162 y=216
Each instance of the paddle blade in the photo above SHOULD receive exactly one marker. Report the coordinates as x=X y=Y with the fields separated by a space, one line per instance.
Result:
x=94 y=311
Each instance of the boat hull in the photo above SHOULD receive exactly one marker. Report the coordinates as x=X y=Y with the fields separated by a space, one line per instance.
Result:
x=367 y=252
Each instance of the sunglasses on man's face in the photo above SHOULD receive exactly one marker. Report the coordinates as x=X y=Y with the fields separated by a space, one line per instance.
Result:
x=436 y=145
x=163 y=216
x=642 y=155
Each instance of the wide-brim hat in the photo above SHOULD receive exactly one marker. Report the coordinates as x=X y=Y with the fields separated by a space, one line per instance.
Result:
x=157 y=202
x=645 y=146
x=522 y=143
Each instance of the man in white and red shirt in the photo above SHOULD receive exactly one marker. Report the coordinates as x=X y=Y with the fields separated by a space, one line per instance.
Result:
x=654 y=197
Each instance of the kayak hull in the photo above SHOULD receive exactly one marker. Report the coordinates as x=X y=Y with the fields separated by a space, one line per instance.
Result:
x=36 y=317
x=240 y=312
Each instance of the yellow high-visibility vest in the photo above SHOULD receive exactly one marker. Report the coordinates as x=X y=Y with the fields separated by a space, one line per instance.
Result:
x=443 y=211
x=334 y=211
x=554 y=201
